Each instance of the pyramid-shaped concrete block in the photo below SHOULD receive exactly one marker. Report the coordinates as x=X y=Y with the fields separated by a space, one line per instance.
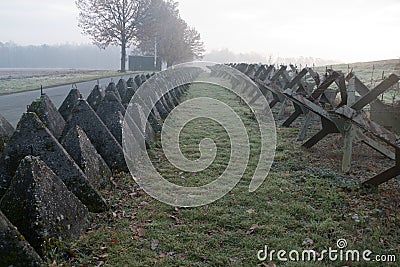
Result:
x=131 y=82
x=98 y=133
x=130 y=92
x=5 y=177
x=155 y=120
x=42 y=208
x=48 y=114
x=174 y=97
x=95 y=97
x=112 y=112
x=6 y=130
x=85 y=155
x=69 y=103
x=122 y=86
x=138 y=80
x=14 y=249
x=113 y=88
x=143 y=78
x=33 y=138
x=138 y=117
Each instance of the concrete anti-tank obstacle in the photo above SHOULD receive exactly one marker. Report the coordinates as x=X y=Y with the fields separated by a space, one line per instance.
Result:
x=102 y=139
x=33 y=138
x=48 y=114
x=122 y=86
x=42 y=208
x=14 y=249
x=95 y=97
x=112 y=112
x=69 y=102
x=85 y=155
x=113 y=88
x=6 y=130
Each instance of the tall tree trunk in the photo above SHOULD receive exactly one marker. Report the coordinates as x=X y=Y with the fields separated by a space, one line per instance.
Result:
x=123 y=56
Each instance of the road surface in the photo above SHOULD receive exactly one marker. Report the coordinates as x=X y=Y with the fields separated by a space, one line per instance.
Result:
x=14 y=105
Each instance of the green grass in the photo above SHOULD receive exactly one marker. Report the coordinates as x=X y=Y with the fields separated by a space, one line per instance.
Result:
x=296 y=203
x=371 y=74
x=19 y=84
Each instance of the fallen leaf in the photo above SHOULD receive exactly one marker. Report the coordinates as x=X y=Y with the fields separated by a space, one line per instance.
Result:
x=71 y=253
x=252 y=229
x=114 y=241
x=154 y=244
x=103 y=256
x=250 y=211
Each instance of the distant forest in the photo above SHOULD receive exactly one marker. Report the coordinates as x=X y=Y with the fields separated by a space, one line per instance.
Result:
x=88 y=56
x=59 y=56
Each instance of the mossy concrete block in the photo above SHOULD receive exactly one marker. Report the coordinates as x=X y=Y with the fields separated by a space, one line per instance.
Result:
x=5 y=177
x=113 y=88
x=33 y=138
x=122 y=86
x=6 y=129
x=14 y=249
x=112 y=112
x=138 y=80
x=95 y=97
x=98 y=133
x=48 y=114
x=69 y=103
x=42 y=208
x=131 y=82
x=85 y=155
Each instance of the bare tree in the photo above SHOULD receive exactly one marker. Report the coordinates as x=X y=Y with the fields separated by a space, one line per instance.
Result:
x=112 y=22
x=176 y=41
x=193 y=43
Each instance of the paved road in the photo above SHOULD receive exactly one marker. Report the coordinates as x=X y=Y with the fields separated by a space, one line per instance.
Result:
x=13 y=106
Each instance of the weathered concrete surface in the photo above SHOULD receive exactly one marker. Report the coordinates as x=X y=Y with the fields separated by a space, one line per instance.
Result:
x=130 y=92
x=5 y=176
x=85 y=155
x=122 y=86
x=138 y=80
x=131 y=82
x=6 y=130
x=33 y=138
x=40 y=205
x=69 y=103
x=48 y=114
x=14 y=249
x=98 y=133
x=113 y=88
x=139 y=119
x=112 y=112
x=95 y=97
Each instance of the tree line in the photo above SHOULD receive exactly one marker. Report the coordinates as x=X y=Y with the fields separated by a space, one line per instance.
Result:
x=149 y=26
x=58 y=56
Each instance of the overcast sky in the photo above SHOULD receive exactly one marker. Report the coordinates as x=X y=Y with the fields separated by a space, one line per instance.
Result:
x=343 y=30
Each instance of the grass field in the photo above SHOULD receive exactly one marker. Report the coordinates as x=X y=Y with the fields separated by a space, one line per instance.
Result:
x=371 y=74
x=303 y=204
x=14 y=80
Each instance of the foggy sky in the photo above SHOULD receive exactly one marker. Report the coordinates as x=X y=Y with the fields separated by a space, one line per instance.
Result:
x=342 y=30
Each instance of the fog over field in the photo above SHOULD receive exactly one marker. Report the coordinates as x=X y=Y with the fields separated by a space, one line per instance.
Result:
x=232 y=30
